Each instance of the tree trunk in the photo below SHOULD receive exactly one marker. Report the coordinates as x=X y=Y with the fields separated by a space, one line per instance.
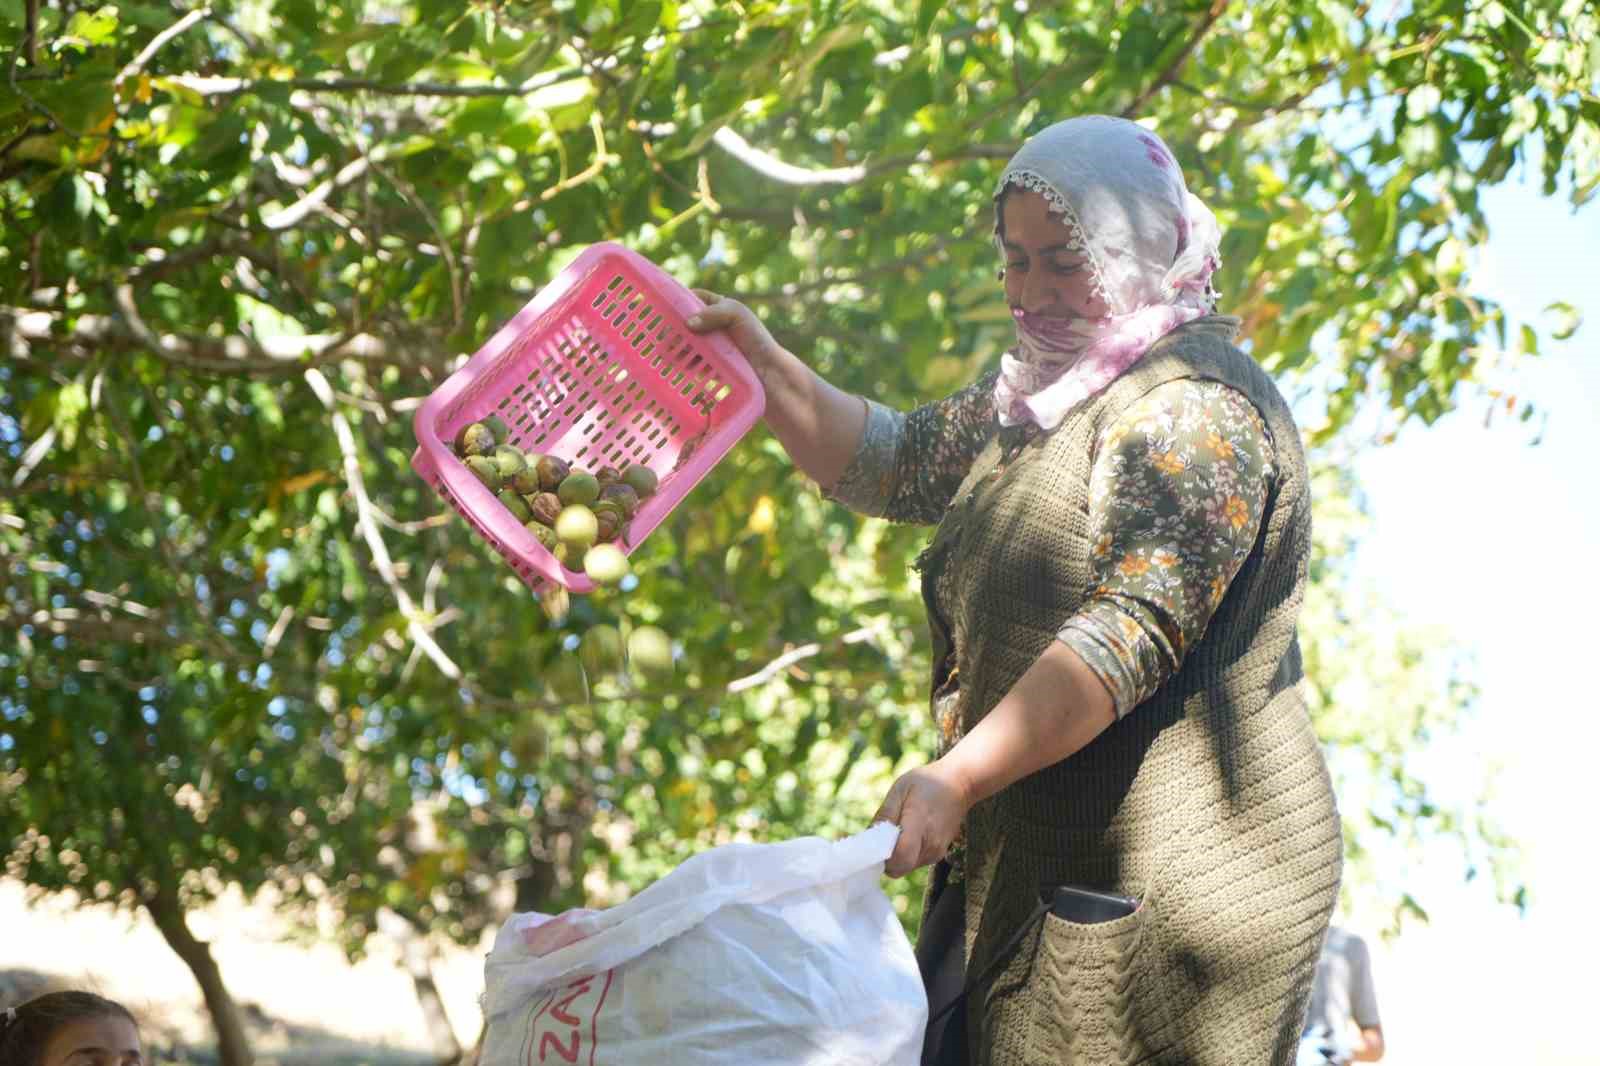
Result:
x=446 y=1048
x=418 y=952
x=233 y=1049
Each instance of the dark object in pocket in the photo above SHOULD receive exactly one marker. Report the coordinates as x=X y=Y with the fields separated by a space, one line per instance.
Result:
x=1088 y=906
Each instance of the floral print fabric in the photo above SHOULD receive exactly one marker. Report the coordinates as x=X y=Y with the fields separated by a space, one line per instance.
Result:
x=1177 y=490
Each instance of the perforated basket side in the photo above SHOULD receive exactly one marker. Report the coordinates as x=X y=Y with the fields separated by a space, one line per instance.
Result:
x=598 y=370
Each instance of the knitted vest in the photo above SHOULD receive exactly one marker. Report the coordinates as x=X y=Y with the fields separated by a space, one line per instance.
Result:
x=1210 y=801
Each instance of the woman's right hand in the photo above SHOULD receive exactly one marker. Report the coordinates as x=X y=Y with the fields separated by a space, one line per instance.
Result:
x=817 y=424
x=744 y=329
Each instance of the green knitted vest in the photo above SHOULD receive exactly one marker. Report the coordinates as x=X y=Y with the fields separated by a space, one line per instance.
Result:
x=1210 y=802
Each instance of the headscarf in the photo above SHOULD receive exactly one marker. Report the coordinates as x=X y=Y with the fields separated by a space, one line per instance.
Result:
x=1151 y=248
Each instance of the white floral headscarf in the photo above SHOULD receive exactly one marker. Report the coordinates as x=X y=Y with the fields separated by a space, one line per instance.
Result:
x=1151 y=247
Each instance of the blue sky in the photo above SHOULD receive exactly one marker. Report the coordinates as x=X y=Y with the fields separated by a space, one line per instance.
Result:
x=1497 y=540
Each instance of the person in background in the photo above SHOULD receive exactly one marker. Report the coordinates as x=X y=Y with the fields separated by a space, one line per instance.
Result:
x=69 y=1029
x=1344 y=1003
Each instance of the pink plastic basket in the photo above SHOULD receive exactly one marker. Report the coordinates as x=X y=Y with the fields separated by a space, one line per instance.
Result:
x=598 y=369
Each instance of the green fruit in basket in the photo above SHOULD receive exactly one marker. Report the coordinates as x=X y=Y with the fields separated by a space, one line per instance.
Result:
x=497 y=426
x=577 y=527
x=514 y=504
x=623 y=495
x=641 y=479
x=508 y=460
x=552 y=472
x=525 y=482
x=546 y=508
x=600 y=650
x=484 y=470
x=542 y=533
x=650 y=652
x=605 y=564
x=579 y=488
x=475 y=438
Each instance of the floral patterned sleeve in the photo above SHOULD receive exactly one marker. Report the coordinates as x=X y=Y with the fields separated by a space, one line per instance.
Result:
x=908 y=466
x=1177 y=490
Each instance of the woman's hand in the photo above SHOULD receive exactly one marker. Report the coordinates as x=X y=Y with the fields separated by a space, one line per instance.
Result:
x=744 y=329
x=929 y=805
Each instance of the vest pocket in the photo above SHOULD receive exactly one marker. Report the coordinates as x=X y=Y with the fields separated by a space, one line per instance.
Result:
x=1081 y=1008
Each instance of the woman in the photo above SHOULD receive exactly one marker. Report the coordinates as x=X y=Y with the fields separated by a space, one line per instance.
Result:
x=69 y=1029
x=1123 y=529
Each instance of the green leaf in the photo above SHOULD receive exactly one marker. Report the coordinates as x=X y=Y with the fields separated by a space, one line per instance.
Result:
x=222 y=136
x=88 y=29
x=482 y=117
x=1568 y=320
x=83 y=101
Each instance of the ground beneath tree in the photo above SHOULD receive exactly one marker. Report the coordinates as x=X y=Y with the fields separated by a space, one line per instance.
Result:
x=303 y=1002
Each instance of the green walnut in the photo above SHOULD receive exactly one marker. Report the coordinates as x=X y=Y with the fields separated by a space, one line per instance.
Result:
x=498 y=427
x=577 y=528
x=579 y=487
x=508 y=460
x=605 y=564
x=484 y=470
x=552 y=472
x=475 y=438
x=623 y=495
x=650 y=652
x=543 y=534
x=600 y=650
x=568 y=680
x=641 y=479
x=514 y=503
x=525 y=482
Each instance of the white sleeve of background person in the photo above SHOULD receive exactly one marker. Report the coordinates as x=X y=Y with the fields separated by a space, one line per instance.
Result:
x=772 y=953
x=1363 y=993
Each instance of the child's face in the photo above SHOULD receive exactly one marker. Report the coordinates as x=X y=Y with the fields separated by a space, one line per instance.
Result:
x=107 y=1041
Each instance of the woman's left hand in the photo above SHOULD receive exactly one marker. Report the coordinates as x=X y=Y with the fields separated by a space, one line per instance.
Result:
x=929 y=805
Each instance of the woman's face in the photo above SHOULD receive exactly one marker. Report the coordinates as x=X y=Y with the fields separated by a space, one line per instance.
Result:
x=105 y=1041
x=1045 y=275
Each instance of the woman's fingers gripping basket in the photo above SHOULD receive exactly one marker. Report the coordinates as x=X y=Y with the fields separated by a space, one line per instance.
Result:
x=569 y=436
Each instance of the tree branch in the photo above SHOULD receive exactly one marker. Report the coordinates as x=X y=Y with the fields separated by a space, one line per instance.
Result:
x=318 y=196
x=770 y=166
x=1173 y=68
x=30 y=33
x=209 y=85
x=794 y=655
x=157 y=42
x=602 y=159
x=236 y=354
x=420 y=633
